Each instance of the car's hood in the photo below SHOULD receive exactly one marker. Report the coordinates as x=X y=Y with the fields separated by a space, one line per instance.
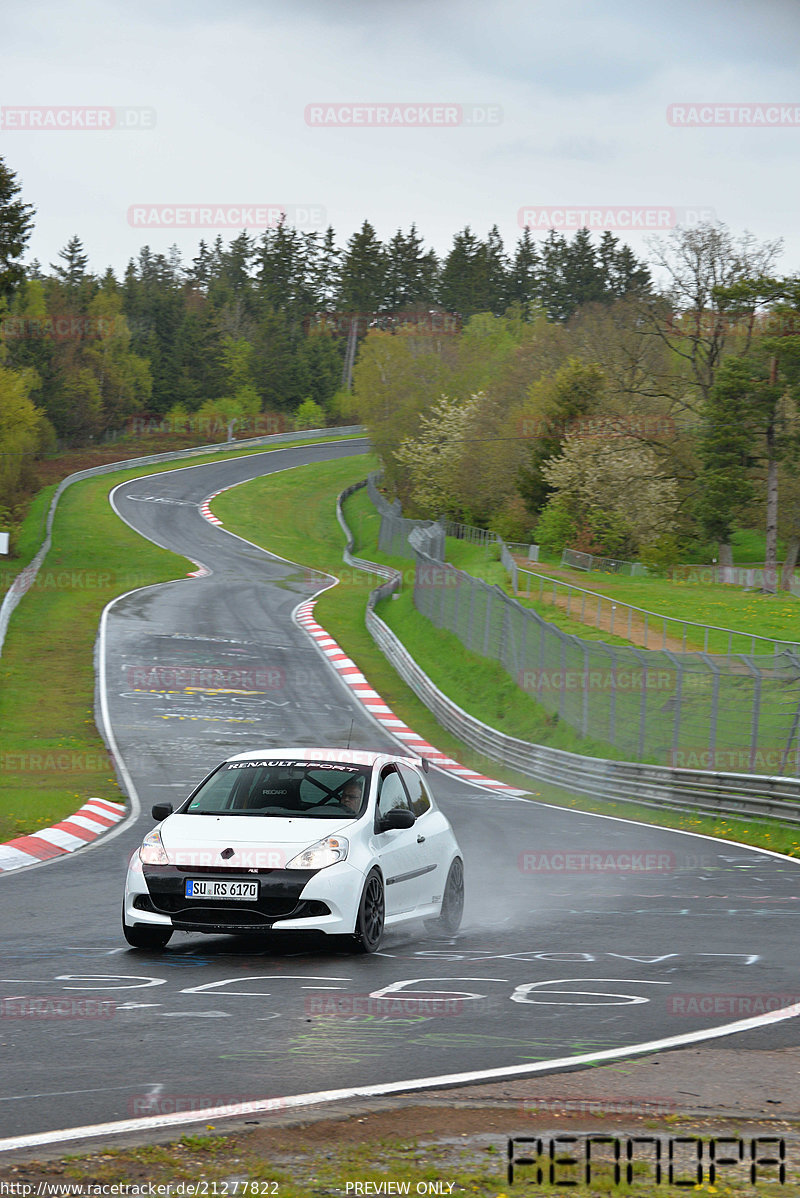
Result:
x=258 y=841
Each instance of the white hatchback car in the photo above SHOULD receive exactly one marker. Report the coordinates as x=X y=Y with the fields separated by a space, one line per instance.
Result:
x=339 y=841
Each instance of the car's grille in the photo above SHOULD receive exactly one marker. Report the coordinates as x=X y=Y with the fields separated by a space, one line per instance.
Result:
x=226 y=919
x=266 y=908
x=219 y=917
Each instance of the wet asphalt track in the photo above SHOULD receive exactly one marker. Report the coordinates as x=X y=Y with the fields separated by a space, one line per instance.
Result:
x=548 y=965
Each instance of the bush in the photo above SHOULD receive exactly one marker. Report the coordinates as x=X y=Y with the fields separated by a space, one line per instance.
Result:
x=555 y=528
x=512 y=522
x=661 y=555
x=309 y=415
x=606 y=534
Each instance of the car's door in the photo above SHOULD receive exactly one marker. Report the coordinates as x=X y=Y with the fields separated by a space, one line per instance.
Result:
x=397 y=850
x=432 y=835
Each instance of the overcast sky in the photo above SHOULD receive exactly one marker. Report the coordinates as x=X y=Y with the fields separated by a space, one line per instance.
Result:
x=541 y=106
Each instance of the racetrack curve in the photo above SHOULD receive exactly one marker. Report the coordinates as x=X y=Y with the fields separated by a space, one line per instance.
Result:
x=549 y=965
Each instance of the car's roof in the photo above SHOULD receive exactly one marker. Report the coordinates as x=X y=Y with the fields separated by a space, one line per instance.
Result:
x=364 y=757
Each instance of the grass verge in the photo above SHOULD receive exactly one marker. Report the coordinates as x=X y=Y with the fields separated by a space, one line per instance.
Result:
x=426 y=1152
x=52 y=759
x=301 y=526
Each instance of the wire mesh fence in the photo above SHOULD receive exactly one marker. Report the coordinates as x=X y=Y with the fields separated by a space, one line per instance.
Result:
x=395 y=527
x=573 y=559
x=653 y=630
x=731 y=712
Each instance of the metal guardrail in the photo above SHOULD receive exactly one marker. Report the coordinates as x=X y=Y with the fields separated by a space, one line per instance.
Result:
x=27 y=576
x=616 y=608
x=712 y=793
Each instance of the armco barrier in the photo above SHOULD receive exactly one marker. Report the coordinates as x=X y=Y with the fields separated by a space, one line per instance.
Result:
x=712 y=793
x=26 y=578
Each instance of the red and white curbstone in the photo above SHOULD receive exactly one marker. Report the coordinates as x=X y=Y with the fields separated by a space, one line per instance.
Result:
x=206 y=511
x=350 y=674
x=94 y=817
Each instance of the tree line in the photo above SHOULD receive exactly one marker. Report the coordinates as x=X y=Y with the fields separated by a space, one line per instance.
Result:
x=647 y=426
x=564 y=389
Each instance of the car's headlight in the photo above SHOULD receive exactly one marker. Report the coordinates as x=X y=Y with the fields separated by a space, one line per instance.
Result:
x=324 y=852
x=152 y=851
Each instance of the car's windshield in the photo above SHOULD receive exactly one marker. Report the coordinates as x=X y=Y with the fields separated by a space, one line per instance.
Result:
x=307 y=789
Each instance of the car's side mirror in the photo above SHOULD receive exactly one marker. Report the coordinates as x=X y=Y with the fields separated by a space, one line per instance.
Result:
x=398 y=817
x=160 y=811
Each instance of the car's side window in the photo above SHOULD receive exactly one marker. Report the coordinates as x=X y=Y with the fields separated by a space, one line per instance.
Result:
x=420 y=799
x=392 y=793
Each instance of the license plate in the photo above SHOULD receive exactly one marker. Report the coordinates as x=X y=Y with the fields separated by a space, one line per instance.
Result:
x=211 y=888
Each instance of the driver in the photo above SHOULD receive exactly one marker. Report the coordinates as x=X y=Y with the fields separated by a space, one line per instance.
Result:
x=351 y=796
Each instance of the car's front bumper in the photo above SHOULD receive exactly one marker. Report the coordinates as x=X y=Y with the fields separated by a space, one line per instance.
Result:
x=289 y=900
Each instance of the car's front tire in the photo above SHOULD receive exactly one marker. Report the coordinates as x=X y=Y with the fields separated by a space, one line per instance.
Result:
x=449 y=918
x=371 y=915
x=140 y=935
